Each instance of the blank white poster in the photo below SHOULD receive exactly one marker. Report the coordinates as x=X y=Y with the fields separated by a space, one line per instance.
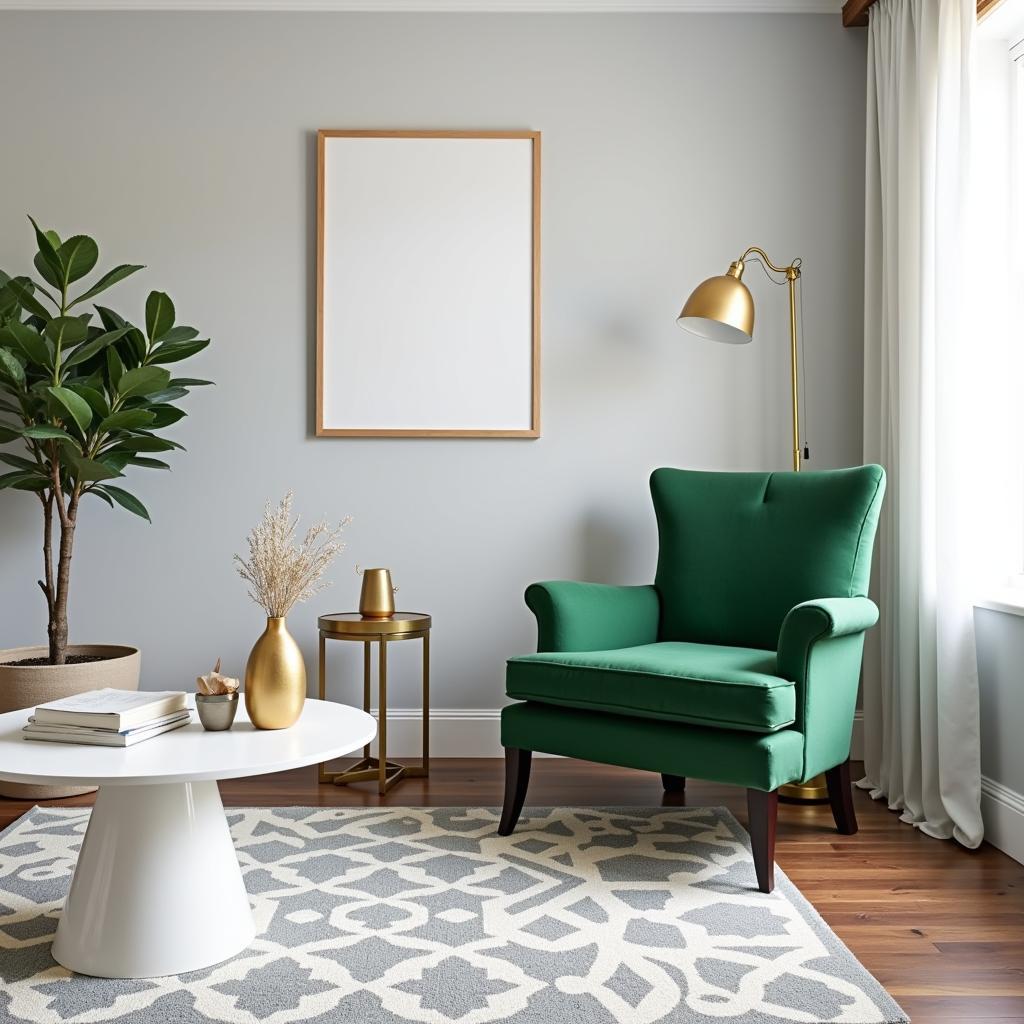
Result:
x=427 y=256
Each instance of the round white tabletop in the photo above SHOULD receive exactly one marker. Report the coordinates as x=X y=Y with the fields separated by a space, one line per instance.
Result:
x=325 y=730
x=157 y=889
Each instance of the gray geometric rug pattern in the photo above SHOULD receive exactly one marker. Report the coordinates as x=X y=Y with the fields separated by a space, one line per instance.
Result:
x=396 y=915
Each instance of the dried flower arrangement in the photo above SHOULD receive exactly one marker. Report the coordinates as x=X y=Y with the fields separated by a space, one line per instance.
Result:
x=280 y=572
x=213 y=684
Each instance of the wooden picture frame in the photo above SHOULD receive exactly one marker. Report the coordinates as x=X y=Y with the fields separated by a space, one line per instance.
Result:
x=428 y=284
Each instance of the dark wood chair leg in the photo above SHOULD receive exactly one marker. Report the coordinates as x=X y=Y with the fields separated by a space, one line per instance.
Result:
x=673 y=783
x=517 y=778
x=840 y=796
x=762 y=815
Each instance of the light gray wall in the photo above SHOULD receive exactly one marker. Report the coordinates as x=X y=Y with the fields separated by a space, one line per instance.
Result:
x=1000 y=643
x=186 y=142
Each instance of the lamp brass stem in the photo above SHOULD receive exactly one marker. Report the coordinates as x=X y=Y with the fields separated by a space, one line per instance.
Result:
x=792 y=273
x=795 y=373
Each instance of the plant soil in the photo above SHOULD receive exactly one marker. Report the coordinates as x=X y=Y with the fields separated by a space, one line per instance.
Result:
x=72 y=659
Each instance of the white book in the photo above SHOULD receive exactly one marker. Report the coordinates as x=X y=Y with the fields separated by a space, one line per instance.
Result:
x=111 y=709
x=95 y=739
x=77 y=730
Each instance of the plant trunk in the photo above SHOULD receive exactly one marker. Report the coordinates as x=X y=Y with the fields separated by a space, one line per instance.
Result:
x=57 y=630
x=46 y=583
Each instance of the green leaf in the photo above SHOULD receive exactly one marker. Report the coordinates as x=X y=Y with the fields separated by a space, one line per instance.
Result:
x=115 y=368
x=168 y=395
x=111 y=277
x=100 y=493
x=32 y=483
x=46 y=272
x=18 y=462
x=22 y=289
x=138 y=345
x=31 y=343
x=179 y=334
x=78 y=255
x=8 y=434
x=22 y=481
x=187 y=382
x=148 y=463
x=116 y=459
x=110 y=319
x=12 y=369
x=127 y=419
x=126 y=500
x=172 y=351
x=143 y=380
x=8 y=303
x=159 y=315
x=46 y=432
x=90 y=348
x=48 y=254
x=165 y=415
x=148 y=443
x=91 y=470
x=75 y=404
x=96 y=399
x=66 y=331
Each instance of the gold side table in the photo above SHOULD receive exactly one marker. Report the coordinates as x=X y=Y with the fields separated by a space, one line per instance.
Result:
x=400 y=626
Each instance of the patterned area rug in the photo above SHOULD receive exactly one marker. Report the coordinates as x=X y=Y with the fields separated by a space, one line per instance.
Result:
x=386 y=916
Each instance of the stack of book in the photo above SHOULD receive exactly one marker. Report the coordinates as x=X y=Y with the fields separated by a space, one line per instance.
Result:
x=108 y=718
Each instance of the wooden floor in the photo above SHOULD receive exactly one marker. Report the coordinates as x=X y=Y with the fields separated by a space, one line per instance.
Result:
x=942 y=928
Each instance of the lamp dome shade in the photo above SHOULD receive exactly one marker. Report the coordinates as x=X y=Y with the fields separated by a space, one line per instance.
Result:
x=720 y=309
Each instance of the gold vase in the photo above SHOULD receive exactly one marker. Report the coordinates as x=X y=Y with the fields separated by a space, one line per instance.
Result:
x=275 y=678
x=377 y=597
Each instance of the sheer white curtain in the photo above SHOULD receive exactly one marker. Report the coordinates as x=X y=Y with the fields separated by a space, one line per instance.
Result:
x=921 y=730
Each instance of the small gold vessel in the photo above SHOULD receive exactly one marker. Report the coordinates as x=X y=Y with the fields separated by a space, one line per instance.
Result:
x=275 y=678
x=377 y=598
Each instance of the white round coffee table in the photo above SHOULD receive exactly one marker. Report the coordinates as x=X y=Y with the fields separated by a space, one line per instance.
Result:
x=157 y=889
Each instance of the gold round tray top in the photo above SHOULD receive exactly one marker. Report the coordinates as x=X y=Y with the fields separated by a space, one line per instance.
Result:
x=354 y=624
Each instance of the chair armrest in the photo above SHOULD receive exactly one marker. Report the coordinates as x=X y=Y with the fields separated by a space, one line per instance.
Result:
x=812 y=621
x=820 y=647
x=593 y=616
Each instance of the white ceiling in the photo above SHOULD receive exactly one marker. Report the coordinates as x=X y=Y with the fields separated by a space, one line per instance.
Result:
x=503 y=6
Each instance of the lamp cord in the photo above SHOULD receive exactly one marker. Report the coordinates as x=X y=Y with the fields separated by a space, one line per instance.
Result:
x=806 y=450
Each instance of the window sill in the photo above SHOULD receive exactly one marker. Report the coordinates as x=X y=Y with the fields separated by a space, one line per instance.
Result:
x=1010 y=600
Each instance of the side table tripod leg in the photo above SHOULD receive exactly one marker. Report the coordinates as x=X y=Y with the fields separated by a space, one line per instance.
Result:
x=426 y=703
x=382 y=726
x=367 y=671
x=321 y=771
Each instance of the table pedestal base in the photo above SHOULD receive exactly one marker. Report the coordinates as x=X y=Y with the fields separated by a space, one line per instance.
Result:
x=157 y=889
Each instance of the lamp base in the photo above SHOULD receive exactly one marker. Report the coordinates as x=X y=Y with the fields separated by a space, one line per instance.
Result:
x=813 y=791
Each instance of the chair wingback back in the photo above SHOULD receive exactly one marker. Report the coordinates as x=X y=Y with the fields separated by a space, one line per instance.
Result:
x=738 y=550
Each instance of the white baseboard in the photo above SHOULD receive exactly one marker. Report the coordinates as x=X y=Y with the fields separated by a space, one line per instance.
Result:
x=1002 y=810
x=857 y=736
x=454 y=732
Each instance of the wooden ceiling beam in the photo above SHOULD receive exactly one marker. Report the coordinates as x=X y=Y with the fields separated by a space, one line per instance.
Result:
x=855 y=12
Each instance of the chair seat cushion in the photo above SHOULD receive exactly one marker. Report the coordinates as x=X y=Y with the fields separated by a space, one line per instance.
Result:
x=702 y=684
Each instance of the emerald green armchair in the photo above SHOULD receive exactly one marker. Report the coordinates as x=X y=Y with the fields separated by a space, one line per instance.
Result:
x=740 y=664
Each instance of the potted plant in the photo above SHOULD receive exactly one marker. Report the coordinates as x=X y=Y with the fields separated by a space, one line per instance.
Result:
x=84 y=395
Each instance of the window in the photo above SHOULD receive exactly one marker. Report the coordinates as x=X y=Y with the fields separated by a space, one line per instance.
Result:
x=997 y=312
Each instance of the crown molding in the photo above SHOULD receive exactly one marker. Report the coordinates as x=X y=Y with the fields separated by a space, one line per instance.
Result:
x=444 y=6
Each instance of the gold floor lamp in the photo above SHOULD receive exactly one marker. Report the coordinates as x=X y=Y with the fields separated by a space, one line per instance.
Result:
x=722 y=309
